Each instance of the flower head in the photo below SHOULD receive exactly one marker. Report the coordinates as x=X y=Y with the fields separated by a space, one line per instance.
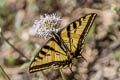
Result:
x=46 y=25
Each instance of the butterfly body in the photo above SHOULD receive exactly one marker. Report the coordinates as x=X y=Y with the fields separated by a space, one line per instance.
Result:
x=64 y=46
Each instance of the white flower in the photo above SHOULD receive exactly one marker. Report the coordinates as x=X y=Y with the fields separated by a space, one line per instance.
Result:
x=46 y=25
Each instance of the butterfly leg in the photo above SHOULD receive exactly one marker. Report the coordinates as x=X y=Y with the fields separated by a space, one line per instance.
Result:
x=72 y=72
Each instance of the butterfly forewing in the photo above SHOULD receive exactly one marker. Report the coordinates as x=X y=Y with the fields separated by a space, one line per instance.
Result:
x=73 y=35
x=49 y=55
x=68 y=40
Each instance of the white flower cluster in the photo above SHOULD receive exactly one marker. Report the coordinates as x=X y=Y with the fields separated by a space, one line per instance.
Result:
x=46 y=25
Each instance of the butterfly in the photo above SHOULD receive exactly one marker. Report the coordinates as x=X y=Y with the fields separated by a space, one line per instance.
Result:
x=64 y=46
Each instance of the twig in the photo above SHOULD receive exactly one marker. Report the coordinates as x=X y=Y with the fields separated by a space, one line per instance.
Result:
x=21 y=53
x=63 y=77
x=4 y=73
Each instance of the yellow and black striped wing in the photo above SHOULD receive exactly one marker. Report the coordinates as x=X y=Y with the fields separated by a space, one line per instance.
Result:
x=74 y=34
x=49 y=55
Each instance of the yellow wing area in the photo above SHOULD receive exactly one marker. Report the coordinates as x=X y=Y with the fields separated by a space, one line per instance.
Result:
x=50 y=55
x=73 y=35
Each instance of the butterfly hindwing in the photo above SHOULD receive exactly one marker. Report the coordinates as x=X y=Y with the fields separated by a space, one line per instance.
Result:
x=69 y=41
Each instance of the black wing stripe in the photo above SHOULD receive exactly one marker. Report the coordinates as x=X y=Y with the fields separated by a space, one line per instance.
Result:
x=39 y=57
x=68 y=34
x=40 y=66
x=52 y=49
x=75 y=27
x=45 y=66
x=68 y=31
x=49 y=48
x=43 y=53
